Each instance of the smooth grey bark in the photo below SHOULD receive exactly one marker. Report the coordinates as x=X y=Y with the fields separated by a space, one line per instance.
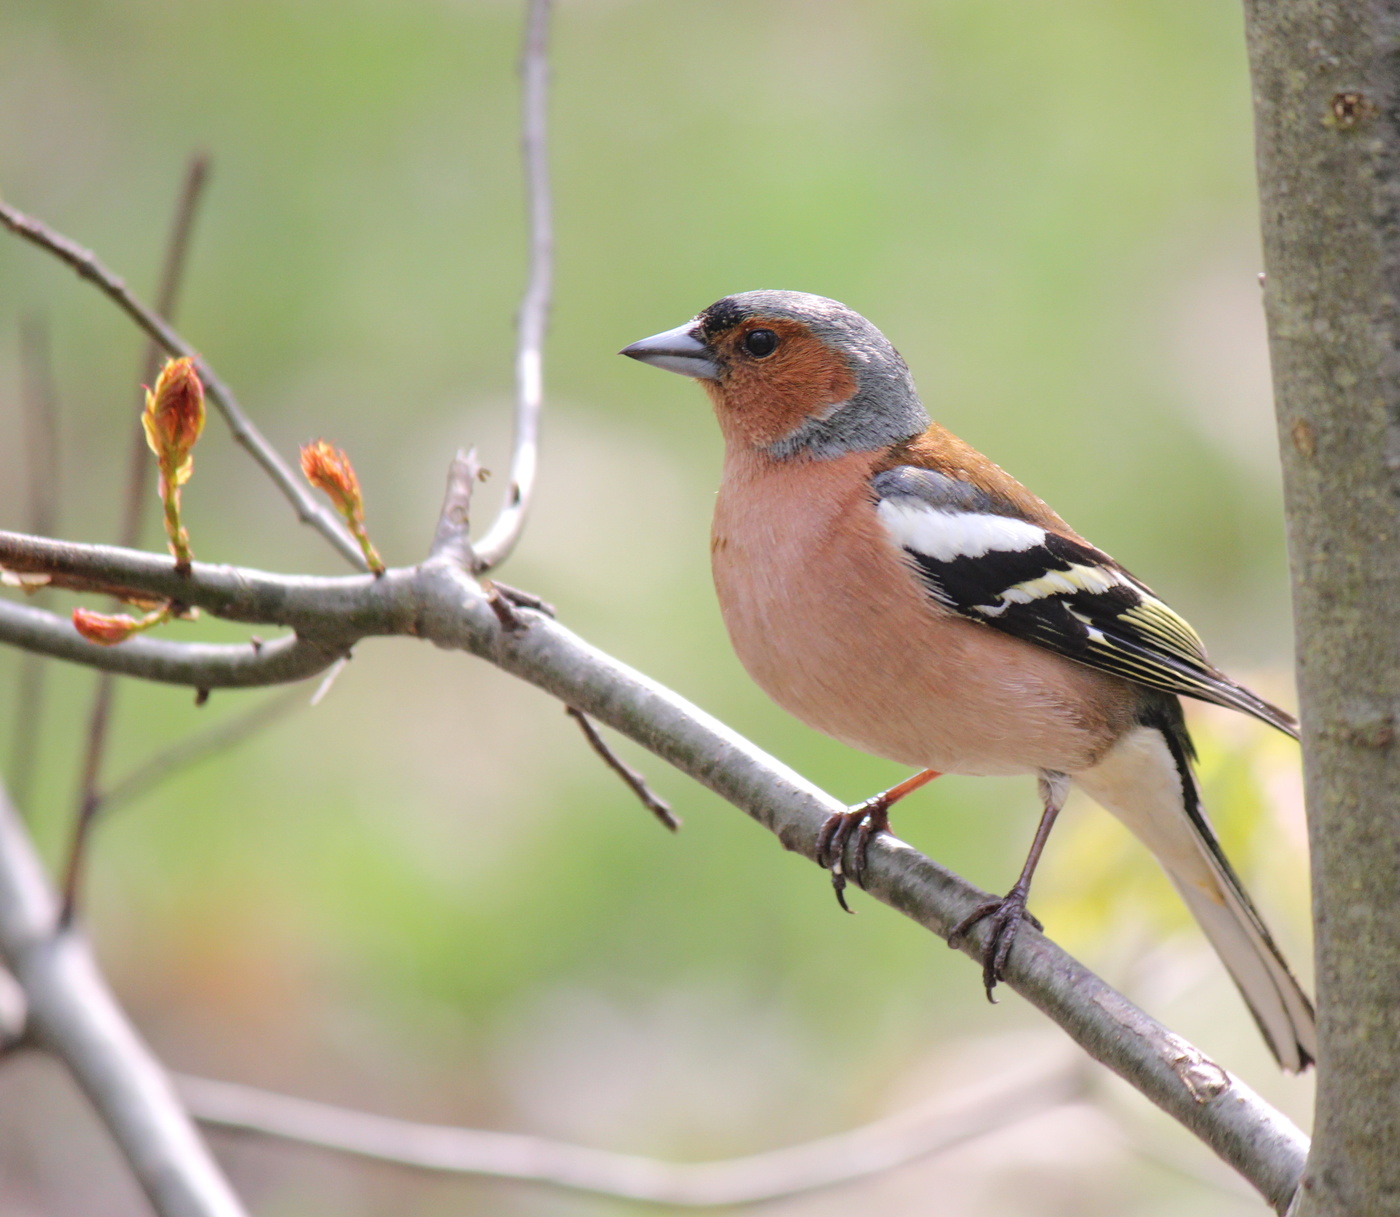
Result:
x=72 y=1013
x=1327 y=109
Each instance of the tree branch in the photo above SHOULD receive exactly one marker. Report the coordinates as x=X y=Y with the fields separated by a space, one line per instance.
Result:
x=356 y=603
x=440 y=602
x=1220 y=1109
x=932 y=1128
x=533 y=318
x=200 y=665
x=72 y=1014
x=88 y=267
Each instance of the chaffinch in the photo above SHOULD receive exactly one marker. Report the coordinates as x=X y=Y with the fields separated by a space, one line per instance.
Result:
x=892 y=587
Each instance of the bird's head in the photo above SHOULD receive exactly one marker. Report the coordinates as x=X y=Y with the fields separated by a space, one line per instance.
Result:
x=793 y=375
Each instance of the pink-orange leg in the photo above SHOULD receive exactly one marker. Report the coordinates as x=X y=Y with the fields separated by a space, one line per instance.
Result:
x=864 y=820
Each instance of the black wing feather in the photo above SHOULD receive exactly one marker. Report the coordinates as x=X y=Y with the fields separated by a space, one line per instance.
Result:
x=1068 y=597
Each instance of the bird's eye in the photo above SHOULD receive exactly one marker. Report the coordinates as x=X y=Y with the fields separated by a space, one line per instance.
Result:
x=759 y=343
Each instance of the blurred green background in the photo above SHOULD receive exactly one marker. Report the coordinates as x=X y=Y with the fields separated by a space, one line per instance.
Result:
x=425 y=896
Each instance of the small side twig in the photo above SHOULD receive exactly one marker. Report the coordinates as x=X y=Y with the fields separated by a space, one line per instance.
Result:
x=634 y=781
x=39 y=402
x=138 y=479
x=89 y=267
x=452 y=537
x=533 y=318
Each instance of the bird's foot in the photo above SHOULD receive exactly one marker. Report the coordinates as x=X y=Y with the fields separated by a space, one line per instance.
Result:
x=1006 y=914
x=862 y=822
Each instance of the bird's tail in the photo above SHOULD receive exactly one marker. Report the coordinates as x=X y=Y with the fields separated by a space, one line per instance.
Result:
x=1146 y=781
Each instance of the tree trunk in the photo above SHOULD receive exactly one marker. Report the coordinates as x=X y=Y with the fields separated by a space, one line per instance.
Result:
x=1327 y=111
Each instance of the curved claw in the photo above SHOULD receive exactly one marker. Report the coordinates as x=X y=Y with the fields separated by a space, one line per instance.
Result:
x=1006 y=914
x=864 y=821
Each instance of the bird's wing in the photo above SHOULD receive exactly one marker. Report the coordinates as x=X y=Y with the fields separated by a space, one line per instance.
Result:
x=981 y=558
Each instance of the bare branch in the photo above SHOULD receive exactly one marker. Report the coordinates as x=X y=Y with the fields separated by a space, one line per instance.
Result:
x=452 y=538
x=139 y=467
x=533 y=318
x=440 y=602
x=88 y=267
x=236 y=593
x=72 y=1014
x=1217 y=1107
x=200 y=665
x=932 y=1128
x=633 y=780
x=39 y=399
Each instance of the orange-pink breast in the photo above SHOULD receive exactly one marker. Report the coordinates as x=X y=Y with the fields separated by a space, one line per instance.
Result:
x=830 y=620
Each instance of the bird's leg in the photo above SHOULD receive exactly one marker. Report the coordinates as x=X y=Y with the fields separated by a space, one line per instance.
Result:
x=1009 y=911
x=864 y=820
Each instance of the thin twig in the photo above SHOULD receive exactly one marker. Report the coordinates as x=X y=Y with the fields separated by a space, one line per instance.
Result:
x=932 y=1128
x=138 y=479
x=533 y=319
x=88 y=267
x=199 y=747
x=72 y=1014
x=39 y=402
x=633 y=780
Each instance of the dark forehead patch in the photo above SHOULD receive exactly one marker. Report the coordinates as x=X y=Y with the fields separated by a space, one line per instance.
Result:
x=723 y=315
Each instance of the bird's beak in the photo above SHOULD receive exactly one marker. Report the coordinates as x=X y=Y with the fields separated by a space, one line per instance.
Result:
x=677 y=350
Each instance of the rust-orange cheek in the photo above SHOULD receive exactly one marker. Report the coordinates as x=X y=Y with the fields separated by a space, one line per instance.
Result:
x=761 y=401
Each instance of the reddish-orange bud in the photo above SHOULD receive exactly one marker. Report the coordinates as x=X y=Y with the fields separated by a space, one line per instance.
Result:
x=329 y=469
x=105 y=629
x=174 y=417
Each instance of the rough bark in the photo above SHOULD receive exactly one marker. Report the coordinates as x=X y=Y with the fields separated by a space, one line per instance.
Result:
x=1327 y=107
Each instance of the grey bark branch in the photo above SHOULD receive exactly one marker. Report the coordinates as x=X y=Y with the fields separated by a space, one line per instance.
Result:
x=71 y=1012
x=199 y=665
x=932 y=1128
x=1327 y=109
x=533 y=317
x=438 y=601
x=89 y=267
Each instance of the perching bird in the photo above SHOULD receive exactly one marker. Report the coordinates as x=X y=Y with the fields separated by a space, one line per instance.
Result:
x=893 y=588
